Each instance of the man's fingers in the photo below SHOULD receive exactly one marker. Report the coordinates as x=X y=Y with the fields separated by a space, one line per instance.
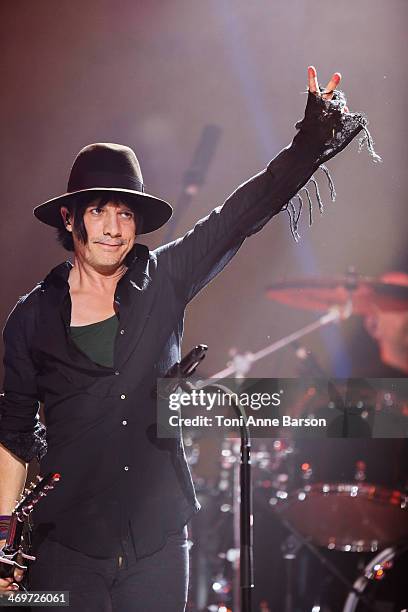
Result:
x=18 y=575
x=312 y=79
x=6 y=584
x=331 y=85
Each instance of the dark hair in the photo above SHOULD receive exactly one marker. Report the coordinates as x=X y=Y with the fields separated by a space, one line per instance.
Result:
x=77 y=207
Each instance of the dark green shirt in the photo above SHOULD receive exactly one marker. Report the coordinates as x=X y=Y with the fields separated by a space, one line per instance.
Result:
x=97 y=340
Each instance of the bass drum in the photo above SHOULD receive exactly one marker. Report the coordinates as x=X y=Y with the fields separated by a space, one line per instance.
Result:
x=383 y=584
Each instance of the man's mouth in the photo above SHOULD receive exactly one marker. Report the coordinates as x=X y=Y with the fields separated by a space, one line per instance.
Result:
x=110 y=244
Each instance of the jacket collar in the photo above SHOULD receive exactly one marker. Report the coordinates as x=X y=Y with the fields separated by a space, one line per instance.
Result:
x=137 y=261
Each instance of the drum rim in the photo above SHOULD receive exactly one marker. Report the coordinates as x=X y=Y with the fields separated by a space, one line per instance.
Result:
x=376 y=491
x=368 y=492
x=363 y=580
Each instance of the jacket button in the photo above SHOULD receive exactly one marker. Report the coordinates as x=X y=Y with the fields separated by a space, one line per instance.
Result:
x=126 y=468
x=117 y=373
x=123 y=396
x=122 y=331
x=124 y=422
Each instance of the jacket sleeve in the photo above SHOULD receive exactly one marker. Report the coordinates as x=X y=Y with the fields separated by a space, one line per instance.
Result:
x=21 y=431
x=196 y=258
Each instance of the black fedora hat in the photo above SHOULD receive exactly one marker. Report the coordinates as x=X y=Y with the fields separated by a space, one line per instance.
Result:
x=107 y=168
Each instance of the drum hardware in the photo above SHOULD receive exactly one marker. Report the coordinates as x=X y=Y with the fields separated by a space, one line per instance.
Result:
x=351 y=516
x=341 y=298
x=355 y=515
x=327 y=513
x=290 y=550
x=376 y=570
x=360 y=505
x=275 y=455
x=235 y=366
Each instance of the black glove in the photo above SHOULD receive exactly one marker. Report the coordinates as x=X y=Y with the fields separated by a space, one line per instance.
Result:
x=324 y=131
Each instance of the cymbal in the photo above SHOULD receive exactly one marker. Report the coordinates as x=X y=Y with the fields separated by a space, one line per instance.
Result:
x=321 y=294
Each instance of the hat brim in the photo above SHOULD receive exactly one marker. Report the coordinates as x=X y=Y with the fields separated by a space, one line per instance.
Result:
x=154 y=211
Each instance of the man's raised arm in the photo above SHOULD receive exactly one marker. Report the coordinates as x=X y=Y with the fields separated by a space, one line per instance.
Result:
x=327 y=128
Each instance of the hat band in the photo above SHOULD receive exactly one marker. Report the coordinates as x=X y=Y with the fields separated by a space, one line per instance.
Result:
x=106 y=179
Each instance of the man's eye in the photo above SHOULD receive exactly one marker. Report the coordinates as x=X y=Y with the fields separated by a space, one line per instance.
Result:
x=126 y=214
x=95 y=211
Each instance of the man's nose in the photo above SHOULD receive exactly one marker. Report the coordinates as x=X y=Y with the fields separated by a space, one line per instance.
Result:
x=111 y=224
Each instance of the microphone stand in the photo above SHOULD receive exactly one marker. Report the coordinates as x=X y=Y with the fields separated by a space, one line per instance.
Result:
x=180 y=371
x=246 y=521
x=246 y=564
x=195 y=175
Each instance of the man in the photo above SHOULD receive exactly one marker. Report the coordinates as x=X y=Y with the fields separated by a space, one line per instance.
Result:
x=390 y=330
x=90 y=342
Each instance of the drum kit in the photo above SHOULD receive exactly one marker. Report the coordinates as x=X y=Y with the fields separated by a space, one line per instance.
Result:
x=331 y=496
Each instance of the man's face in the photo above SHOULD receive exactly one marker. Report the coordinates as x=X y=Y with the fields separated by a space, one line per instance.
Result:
x=111 y=232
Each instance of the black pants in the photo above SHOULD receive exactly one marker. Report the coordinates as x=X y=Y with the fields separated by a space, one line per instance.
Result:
x=120 y=584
